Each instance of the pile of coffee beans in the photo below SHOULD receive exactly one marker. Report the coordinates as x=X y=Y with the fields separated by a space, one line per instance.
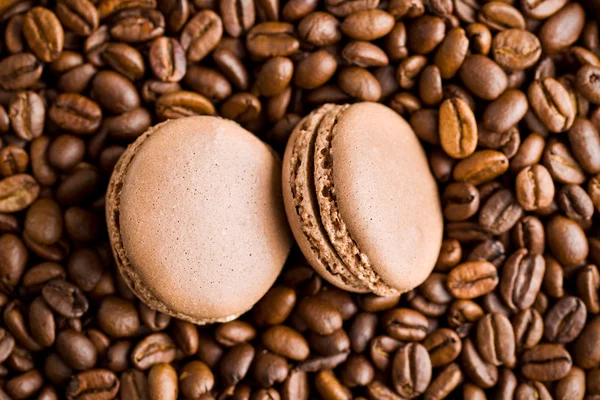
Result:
x=503 y=94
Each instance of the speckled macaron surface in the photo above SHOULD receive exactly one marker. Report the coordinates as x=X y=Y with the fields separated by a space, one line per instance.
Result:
x=196 y=219
x=360 y=198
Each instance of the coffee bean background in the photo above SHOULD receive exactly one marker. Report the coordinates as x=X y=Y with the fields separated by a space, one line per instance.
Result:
x=505 y=97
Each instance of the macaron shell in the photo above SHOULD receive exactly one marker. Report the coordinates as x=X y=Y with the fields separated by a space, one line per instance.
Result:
x=303 y=211
x=202 y=224
x=386 y=194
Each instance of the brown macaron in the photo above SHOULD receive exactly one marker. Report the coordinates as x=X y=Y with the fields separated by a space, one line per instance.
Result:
x=361 y=200
x=196 y=219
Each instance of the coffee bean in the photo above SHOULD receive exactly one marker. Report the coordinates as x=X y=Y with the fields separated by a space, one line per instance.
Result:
x=478 y=370
x=489 y=250
x=100 y=383
x=196 y=379
x=27 y=113
x=236 y=362
x=167 y=59
x=117 y=317
x=565 y=320
x=367 y=24
x=585 y=144
x=546 y=362
x=153 y=349
x=231 y=66
x=483 y=77
x=286 y=342
x=506 y=111
x=17 y=192
x=551 y=103
x=562 y=165
x=496 y=339
x=234 y=332
x=425 y=33
x=20 y=71
x=25 y=385
x=553 y=35
x=320 y=316
x=80 y=17
x=114 y=92
x=76 y=113
x=405 y=324
x=275 y=76
x=575 y=202
x=472 y=279
x=319 y=29
x=269 y=368
x=585 y=349
x=238 y=16
x=295 y=386
x=528 y=327
x=162 y=382
x=77 y=351
x=65 y=298
x=13 y=257
x=500 y=212
x=183 y=104
x=44 y=33
x=137 y=25
x=534 y=187
x=153 y=319
x=444 y=346
x=359 y=83
x=343 y=8
x=480 y=167
x=500 y=16
x=315 y=70
x=452 y=52
x=457 y=128
x=516 y=49
x=329 y=387
x=271 y=39
x=521 y=279
x=566 y=240
x=426 y=124
x=411 y=370
x=364 y=54
x=124 y=59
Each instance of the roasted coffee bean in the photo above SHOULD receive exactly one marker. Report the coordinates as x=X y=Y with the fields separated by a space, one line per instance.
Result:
x=65 y=298
x=551 y=103
x=588 y=285
x=425 y=33
x=553 y=35
x=238 y=16
x=319 y=29
x=478 y=370
x=117 y=317
x=563 y=167
x=546 y=362
x=234 y=332
x=275 y=76
x=137 y=25
x=367 y=24
x=236 y=362
x=521 y=279
x=483 y=77
x=359 y=83
x=496 y=339
x=528 y=327
x=472 y=279
x=457 y=128
x=534 y=187
x=167 y=59
x=153 y=349
x=196 y=379
x=75 y=113
x=585 y=349
x=183 y=104
x=287 y=342
x=76 y=350
x=44 y=33
x=575 y=202
x=480 y=167
x=565 y=320
x=411 y=370
x=27 y=113
x=271 y=39
x=320 y=316
x=500 y=212
x=405 y=324
x=329 y=387
x=186 y=337
x=444 y=346
x=80 y=17
x=100 y=383
x=162 y=382
x=566 y=240
x=201 y=34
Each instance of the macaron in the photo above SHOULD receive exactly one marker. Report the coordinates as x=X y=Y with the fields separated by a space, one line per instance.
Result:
x=360 y=198
x=196 y=218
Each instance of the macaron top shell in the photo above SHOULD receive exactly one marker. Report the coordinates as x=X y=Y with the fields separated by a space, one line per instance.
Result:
x=196 y=218
x=386 y=195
